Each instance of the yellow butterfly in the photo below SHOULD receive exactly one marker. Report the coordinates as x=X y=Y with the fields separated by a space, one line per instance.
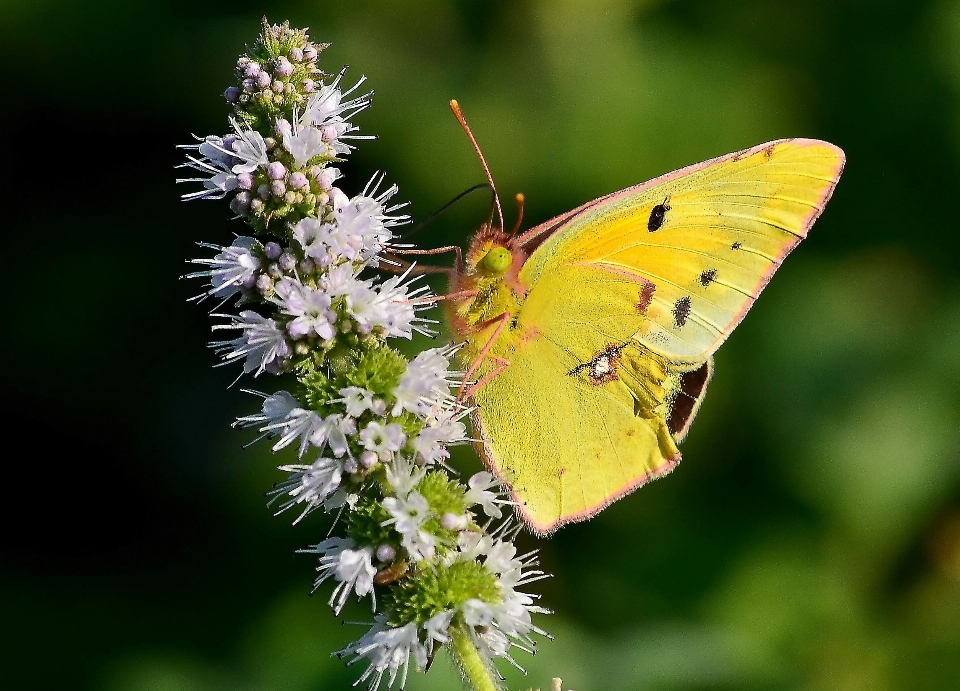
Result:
x=588 y=339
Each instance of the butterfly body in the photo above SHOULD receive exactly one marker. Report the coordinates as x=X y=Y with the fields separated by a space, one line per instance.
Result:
x=590 y=337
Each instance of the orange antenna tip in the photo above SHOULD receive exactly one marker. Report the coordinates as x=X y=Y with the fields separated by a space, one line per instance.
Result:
x=520 y=199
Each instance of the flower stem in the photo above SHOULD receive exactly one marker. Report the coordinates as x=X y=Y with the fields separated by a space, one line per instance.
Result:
x=476 y=672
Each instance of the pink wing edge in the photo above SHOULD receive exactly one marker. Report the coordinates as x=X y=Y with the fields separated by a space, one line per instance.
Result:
x=540 y=233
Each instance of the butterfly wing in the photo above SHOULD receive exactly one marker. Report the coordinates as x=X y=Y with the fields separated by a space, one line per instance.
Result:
x=665 y=270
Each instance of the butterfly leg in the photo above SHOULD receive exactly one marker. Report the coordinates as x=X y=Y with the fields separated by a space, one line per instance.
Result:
x=502 y=364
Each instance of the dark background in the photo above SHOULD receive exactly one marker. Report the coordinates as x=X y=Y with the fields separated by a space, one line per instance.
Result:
x=811 y=538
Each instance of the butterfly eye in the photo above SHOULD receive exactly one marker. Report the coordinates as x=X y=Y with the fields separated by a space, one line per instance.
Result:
x=497 y=260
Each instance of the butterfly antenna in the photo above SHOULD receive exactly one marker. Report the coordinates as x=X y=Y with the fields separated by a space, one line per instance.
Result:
x=519 y=198
x=431 y=217
x=458 y=114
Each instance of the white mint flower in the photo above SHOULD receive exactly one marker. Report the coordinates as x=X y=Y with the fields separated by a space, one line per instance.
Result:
x=233 y=268
x=352 y=568
x=311 y=485
x=333 y=431
x=432 y=441
x=276 y=407
x=403 y=475
x=426 y=383
x=298 y=425
x=383 y=440
x=216 y=160
x=437 y=627
x=250 y=147
x=310 y=309
x=357 y=400
x=304 y=142
x=472 y=545
x=407 y=517
x=477 y=613
x=261 y=345
x=328 y=111
x=479 y=493
x=388 y=649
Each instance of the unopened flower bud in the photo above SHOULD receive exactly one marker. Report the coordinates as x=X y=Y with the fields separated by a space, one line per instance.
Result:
x=378 y=406
x=276 y=171
x=249 y=85
x=274 y=270
x=298 y=181
x=452 y=521
x=289 y=88
x=264 y=283
x=272 y=250
x=277 y=87
x=270 y=143
x=250 y=280
x=245 y=180
x=263 y=191
x=277 y=188
x=278 y=99
x=309 y=52
x=350 y=466
x=306 y=266
x=368 y=459
x=295 y=54
x=242 y=62
x=232 y=94
x=283 y=67
x=290 y=197
x=386 y=553
x=256 y=206
x=308 y=85
x=240 y=204
x=314 y=172
x=252 y=69
x=329 y=132
x=266 y=94
x=326 y=179
x=287 y=261
x=322 y=198
x=263 y=80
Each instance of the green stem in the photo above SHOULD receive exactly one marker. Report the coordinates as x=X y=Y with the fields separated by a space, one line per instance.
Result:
x=474 y=668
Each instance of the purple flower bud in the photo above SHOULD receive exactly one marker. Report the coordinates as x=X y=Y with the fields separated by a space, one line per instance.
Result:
x=314 y=172
x=277 y=87
x=264 y=283
x=272 y=250
x=309 y=52
x=245 y=180
x=283 y=67
x=277 y=188
x=263 y=191
x=252 y=69
x=232 y=94
x=248 y=85
x=378 y=406
x=298 y=181
x=452 y=521
x=295 y=54
x=249 y=281
x=287 y=261
x=256 y=206
x=350 y=466
x=276 y=171
x=368 y=459
x=323 y=198
x=263 y=80
x=308 y=85
x=240 y=204
x=329 y=132
x=306 y=266
x=242 y=62
x=386 y=553
x=283 y=128
x=274 y=270
x=326 y=179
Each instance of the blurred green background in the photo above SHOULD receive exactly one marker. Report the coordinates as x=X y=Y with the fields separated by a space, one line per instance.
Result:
x=810 y=539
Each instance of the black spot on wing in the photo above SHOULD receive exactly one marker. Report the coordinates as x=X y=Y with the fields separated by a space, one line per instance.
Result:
x=646 y=297
x=708 y=277
x=658 y=215
x=736 y=245
x=681 y=310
